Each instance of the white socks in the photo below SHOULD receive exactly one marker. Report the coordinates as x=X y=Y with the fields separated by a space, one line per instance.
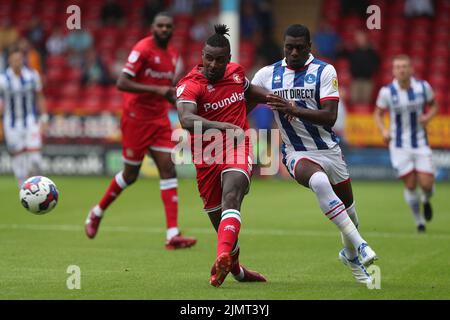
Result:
x=334 y=208
x=34 y=160
x=412 y=199
x=19 y=165
x=350 y=251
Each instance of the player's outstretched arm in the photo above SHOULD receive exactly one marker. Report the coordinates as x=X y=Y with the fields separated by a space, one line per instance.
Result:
x=125 y=83
x=254 y=96
x=325 y=116
x=189 y=119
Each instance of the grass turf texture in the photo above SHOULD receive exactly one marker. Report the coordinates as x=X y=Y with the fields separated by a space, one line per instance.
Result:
x=284 y=236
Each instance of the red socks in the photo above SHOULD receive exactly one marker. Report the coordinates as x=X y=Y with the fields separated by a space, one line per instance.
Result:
x=228 y=231
x=115 y=188
x=170 y=199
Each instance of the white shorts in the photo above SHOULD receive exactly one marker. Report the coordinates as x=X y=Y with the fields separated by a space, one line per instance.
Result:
x=406 y=161
x=331 y=161
x=21 y=138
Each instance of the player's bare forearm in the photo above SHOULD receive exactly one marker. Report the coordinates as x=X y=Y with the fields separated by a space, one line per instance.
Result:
x=325 y=116
x=189 y=122
x=433 y=110
x=378 y=116
x=254 y=96
x=189 y=119
x=125 y=83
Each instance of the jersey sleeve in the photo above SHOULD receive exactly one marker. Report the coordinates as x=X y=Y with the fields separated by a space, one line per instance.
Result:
x=260 y=77
x=383 y=98
x=135 y=61
x=329 y=88
x=429 y=94
x=187 y=91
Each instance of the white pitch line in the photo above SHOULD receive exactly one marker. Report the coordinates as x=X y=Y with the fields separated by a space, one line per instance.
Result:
x=256 y=232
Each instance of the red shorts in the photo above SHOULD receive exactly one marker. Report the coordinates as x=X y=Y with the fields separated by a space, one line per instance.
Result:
x=209 y=178
x=139 y=136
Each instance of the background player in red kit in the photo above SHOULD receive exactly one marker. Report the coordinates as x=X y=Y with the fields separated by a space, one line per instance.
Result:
x=214 y=95
x=148 y=79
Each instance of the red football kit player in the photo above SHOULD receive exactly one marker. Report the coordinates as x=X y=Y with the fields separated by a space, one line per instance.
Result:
x=147 y=80
x=213 y=95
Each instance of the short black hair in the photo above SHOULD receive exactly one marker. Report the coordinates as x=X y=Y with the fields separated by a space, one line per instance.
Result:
x=218 y=39
x=298 y=30
x=163 y=14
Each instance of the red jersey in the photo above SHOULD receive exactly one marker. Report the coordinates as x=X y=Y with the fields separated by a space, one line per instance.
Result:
x=151 y=65
x=222 y=101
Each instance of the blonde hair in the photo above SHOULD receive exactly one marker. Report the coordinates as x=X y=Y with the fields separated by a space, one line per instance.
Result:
x=403 y=57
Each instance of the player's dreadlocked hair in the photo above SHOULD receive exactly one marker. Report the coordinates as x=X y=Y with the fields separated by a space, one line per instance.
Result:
x=218 y=39
x=298 y=30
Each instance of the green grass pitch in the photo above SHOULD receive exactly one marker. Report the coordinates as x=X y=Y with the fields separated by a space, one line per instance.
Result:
x=284 y=236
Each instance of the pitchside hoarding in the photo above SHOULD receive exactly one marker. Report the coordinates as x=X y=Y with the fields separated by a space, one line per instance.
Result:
x=90 y=145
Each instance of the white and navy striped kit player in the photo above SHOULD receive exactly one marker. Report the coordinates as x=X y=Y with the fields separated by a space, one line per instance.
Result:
x=409 y=149
x=20 y=113
x=309 y=86
x=406 y=107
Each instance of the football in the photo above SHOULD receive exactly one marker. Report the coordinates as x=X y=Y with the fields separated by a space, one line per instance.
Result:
x=39 y=195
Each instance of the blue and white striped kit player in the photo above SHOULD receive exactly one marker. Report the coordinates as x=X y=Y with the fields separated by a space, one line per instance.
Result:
x=20 y=118
x=408 y=146
x=316 y=82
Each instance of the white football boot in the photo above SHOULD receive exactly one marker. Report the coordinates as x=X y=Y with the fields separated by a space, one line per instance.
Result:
x=366 y=255
x=358 y=270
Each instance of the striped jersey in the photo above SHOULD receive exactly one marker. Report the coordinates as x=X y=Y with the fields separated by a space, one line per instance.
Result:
x=406 y=106
x=308 y=86
x=18 y=93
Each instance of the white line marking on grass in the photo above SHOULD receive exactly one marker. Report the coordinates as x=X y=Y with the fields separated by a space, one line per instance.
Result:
x=256 y=232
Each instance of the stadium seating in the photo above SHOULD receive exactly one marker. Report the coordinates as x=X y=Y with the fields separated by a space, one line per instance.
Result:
x=421 y=38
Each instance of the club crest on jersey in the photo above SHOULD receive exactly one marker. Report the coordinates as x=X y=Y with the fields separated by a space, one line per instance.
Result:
x=180 y=90
x=133 y=57
x=237 y=78
x=157 y=60
x=334 y=84
x=310 y=78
